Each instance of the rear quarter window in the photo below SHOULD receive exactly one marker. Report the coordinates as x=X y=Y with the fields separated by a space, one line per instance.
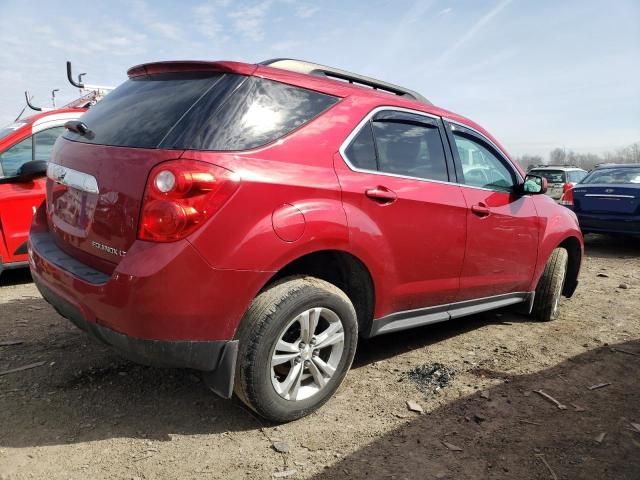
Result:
x=258 y=112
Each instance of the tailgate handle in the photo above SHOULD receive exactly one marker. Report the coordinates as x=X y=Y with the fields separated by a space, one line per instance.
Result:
x=381 y=194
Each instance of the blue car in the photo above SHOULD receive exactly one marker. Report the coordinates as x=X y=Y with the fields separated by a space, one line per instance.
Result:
x=607 y=200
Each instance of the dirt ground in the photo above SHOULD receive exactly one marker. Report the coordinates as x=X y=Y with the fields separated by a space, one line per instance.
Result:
x=87 y=414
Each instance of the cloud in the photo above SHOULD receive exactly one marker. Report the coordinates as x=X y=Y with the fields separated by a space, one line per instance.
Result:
x=206 y=20
x=479 y=25
x=286 y=46
x=148 y=17
x=166 y=30
x=249 y=21
x=444 y=11
x=307 y=11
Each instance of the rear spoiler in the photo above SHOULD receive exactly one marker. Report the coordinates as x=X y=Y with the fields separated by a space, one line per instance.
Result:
x=191 y=66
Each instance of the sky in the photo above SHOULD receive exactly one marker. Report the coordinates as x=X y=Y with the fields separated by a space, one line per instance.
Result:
x=538 y=74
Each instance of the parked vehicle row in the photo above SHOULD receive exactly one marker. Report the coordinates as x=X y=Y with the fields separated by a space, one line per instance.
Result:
x=607 y=200
x=252 y=221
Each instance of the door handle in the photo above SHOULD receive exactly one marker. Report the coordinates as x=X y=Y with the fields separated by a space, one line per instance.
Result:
x=381 y=195
x=481 y=209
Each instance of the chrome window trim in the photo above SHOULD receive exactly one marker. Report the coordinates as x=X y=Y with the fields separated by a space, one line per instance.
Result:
x=343 y=147
x=345 y=144
x=72 y=178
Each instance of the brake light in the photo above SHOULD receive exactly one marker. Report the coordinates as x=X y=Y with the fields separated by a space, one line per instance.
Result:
x=180 y=196
x=567 y=196
x=566 y=187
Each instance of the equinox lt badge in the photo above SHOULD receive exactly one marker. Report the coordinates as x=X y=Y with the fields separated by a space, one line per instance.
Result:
x=108 y=249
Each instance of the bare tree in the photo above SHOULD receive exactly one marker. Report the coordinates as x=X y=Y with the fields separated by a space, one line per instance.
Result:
x=557 y=156
x=560 y=156
x=528 y=161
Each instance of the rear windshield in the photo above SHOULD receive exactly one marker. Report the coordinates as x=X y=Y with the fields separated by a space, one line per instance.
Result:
x=576 y=175
x=614 y=175
x=200 y=111
x=552 y=176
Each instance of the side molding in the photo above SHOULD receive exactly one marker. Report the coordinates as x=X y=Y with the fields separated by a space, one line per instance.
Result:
x=441 y=313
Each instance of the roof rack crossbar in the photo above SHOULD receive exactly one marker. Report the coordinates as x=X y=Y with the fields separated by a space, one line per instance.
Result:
x=310 y=68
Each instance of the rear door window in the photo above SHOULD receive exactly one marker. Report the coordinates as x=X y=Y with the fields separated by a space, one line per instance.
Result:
x=200 y=111
x=362 y=150
x=400 y=143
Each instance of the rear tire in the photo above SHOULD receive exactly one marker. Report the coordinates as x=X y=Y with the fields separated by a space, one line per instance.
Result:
x=549 y=289
x=296 y=343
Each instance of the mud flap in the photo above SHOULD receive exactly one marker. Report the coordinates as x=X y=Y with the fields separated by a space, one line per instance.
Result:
x=220 y=381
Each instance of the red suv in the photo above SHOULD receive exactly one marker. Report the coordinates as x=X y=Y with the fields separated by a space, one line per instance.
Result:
x=251 y=221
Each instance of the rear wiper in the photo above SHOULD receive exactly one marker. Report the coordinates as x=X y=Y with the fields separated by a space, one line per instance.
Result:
x=77 y=126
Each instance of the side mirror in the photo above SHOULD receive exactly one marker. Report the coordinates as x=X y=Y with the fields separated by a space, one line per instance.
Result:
x=534 y=185
x=27 y=172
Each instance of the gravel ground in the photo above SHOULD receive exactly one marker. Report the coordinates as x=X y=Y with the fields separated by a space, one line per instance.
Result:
x=85 y=413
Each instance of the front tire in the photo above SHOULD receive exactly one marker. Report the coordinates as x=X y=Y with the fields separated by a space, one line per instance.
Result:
x=296 y=344
x=549 y=290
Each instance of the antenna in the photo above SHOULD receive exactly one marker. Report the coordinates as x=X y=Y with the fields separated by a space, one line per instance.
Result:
x=53 y=96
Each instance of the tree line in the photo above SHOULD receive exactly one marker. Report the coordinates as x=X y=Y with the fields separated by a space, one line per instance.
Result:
x=560 y=156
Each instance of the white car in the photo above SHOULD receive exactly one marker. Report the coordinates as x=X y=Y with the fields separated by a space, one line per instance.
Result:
x=558 y=176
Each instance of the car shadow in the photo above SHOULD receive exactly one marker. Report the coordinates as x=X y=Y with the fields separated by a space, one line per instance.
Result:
x=386 y=346
x=608 y=246
x=82 y=391
x=512 y=431
x=18 y=276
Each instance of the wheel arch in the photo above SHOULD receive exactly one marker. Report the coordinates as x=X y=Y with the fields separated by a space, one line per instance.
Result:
x=342 y=269
x=573 y=246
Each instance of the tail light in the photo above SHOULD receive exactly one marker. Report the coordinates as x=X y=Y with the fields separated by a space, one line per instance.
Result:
x=180 y=196
x=566 y=187
x=567 y=195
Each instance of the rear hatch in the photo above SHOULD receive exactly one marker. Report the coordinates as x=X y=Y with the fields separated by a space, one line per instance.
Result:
x=555 y=180
x=99 y=169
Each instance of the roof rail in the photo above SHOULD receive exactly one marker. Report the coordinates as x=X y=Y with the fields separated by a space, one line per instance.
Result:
x=568 y=165
x=311 y=68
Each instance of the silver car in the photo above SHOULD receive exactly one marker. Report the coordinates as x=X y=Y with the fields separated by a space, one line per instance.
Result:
x=558 y=176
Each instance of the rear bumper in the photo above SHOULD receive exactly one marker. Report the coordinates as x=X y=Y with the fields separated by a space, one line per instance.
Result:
x=621 y=224
x=217 y=358
x=163 y=305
